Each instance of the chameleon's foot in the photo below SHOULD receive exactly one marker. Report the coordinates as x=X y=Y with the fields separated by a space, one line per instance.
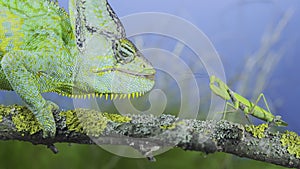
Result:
x=46 y=119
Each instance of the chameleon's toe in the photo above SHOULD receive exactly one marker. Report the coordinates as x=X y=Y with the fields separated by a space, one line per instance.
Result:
x=49 y=130
x=46 y=119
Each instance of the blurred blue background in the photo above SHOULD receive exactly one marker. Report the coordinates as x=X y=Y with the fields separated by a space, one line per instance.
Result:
x=258 y=43
x=263 y=32
x=244 y=32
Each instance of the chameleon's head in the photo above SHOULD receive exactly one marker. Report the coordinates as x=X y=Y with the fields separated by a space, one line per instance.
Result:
x=109 y=62
x=121 y=69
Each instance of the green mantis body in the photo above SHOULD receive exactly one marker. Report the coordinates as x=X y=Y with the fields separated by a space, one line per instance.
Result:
x=240 y=102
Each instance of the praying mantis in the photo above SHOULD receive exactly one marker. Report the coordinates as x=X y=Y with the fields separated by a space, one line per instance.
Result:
x=239 y=102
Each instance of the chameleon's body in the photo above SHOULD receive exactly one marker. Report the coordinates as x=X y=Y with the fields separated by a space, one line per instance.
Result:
x=43 y=49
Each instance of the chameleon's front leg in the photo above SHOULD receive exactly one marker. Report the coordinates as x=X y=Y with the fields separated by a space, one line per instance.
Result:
x=20 y=70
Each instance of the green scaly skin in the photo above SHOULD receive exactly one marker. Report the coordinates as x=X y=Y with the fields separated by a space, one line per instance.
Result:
x=43 y=49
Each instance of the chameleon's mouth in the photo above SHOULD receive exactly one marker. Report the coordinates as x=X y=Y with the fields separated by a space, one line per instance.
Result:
x=83 y=95
x=149 y=76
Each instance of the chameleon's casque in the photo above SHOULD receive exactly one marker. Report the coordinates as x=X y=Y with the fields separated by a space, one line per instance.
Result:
x=43 y=49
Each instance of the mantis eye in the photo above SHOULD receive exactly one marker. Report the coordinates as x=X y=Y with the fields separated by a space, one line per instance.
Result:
x=124 y=51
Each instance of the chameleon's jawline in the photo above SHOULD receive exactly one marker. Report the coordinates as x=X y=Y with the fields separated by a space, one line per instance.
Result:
x=140 y=74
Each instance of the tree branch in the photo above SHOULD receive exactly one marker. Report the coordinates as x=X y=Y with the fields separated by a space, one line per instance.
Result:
x=148 y=133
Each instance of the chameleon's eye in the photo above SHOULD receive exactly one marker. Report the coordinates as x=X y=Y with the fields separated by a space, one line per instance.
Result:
x=124 y=51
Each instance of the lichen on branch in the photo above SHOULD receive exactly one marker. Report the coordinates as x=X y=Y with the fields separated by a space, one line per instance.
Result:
x=143 y=132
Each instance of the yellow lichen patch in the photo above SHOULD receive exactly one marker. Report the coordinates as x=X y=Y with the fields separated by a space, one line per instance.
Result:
x=7 y=110
x=117 y=118
x=91 y=122
x=292 y=141
x=4 y=111
x=72 y=121
x=168 y=127
x=22 y=118
x=257 y=131
x=25 y=121
x=171 y=126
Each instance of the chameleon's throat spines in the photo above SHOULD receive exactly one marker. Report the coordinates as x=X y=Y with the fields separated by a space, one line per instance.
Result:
x=107 y=96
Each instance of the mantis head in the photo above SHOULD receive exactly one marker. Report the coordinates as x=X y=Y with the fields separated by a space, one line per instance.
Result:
x=279 y=122
x=219 y=87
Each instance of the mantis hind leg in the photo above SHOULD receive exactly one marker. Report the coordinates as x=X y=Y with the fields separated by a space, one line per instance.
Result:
x=226 y=109
x=235 y=108
x=256 y=102
x=267 y=115
x=224 y=112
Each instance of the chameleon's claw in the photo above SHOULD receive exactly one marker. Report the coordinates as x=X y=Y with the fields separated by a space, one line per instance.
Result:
x=46 y=119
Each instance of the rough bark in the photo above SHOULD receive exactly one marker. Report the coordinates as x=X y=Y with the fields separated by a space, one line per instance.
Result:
x=147 y=133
